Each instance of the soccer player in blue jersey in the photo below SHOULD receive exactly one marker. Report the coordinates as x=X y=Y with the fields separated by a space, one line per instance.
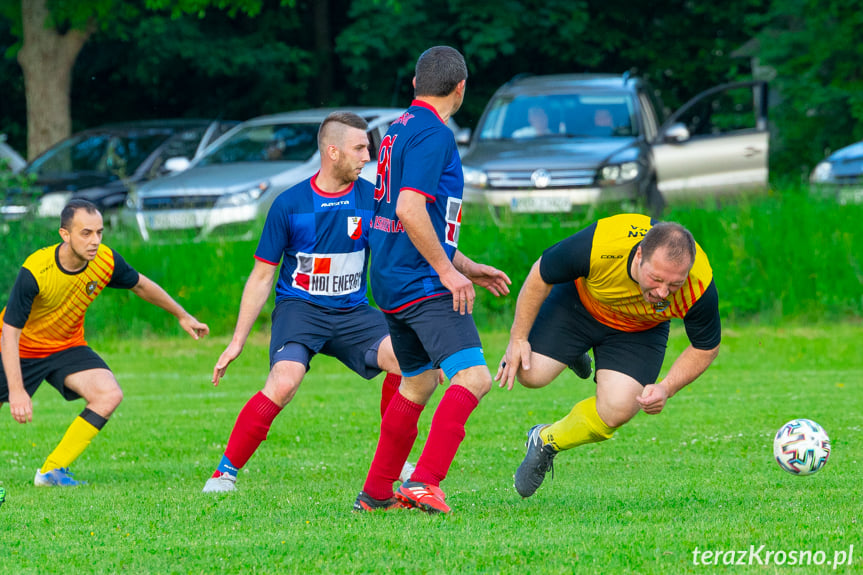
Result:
x=319 y=231
x=425 y=287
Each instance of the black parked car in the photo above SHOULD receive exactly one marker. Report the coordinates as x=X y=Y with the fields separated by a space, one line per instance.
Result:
x=102 y=164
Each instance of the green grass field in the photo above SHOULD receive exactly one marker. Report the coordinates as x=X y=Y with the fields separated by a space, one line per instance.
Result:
x=700 y=475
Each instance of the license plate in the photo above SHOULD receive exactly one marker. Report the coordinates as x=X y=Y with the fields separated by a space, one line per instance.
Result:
x=171 y=221
x=540 y=204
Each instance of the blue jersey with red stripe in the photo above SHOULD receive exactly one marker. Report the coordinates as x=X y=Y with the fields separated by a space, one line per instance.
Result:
x=418 y=155
x=322 y=241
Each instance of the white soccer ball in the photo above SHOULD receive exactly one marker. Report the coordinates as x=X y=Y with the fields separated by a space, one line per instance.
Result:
x=801 y=447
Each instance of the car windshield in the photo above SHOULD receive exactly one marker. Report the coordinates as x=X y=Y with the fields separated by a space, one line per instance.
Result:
x=581 y=115
x=288 y=142
x=106 y=153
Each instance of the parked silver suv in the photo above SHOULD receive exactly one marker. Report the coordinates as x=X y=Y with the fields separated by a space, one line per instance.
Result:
x=553 y=143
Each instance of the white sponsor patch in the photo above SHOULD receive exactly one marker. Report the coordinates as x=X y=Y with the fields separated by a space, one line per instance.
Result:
x=453 y=221
x=329 y=274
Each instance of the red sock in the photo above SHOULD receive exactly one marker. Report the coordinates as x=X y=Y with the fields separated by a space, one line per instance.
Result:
x=388 y=390
x=398 y=433
x=251 y=428
x=445 y=435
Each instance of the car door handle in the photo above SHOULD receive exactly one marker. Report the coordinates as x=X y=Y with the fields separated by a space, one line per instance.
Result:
x=750 y=151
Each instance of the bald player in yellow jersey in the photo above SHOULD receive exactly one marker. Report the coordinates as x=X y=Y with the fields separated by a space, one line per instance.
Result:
x=42 y=333
x=612 y=287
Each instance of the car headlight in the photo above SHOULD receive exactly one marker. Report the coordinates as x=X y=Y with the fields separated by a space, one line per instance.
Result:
x=823 y=172
x=474 y=177
x=618 y=173
x=244 y=197
x=50 y=205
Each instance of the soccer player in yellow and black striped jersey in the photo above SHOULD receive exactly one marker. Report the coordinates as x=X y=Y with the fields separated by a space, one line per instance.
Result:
x=612 y=287
x=42 y=333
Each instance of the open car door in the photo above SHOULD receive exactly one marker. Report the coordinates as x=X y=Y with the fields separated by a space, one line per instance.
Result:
x=717 y=143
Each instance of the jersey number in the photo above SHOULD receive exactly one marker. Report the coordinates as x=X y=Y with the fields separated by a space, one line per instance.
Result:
x=382 y=182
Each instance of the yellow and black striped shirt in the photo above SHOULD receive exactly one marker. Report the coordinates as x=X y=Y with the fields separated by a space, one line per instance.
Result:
x=48 y=302
x=598 y=260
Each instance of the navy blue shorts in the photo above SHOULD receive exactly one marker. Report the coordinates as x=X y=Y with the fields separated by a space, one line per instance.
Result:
x=351 y=336
x=54 y=370
x=431 y=335
x=564 y=330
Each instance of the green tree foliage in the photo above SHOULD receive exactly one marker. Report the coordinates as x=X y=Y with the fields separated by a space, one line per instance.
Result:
x=682 y=46
x=815 y=48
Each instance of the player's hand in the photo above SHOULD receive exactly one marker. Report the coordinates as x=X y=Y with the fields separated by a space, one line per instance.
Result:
x=517 y=356
x=652 y=399
x=231 y=353
x=462 y=290
x=20 y=406
x=193 y=327
x=490 y=278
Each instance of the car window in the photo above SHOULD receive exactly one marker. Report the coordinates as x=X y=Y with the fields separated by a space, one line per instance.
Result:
x=183 y=144
x=730 y=110
x=591 y=115
x=103 y=153
x=290 y=142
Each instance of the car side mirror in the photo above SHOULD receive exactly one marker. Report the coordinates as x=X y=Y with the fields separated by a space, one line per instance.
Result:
x=462 y=137
x=676 y=133
x=178 y=164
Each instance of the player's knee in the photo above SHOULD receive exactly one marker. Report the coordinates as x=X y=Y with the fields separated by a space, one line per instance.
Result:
x=282 y=385
x=615 y=414
x=532 y=379
x=476 y=379
x=105 y=397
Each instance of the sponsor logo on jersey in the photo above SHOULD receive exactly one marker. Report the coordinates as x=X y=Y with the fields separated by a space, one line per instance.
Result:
x=453 y=220
x=334 y=204
x=403 y=119
x=329 y=274
x=355 y=227
x=387 y=225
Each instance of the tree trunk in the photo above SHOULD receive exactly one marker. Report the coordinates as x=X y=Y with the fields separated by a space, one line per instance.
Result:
x=46 y=58
x=323 y=51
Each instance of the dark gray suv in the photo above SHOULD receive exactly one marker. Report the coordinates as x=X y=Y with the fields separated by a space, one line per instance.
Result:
x=554 y=143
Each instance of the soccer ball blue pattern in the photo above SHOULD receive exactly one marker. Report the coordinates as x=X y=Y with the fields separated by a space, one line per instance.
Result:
x=801 y=447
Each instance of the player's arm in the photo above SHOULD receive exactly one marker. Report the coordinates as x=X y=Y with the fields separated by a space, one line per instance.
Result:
x=686 y=368
x=151 y=292
x=20 y=404
x=703 y=328
x=482 y=275
x=411 y=210
x=23 y=294
x=533 y=293
x=255 y=294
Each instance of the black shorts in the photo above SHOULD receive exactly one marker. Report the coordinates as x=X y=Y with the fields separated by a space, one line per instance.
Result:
x=54 y=370
x=430 y=334
x=564 y=330
x=346 y=335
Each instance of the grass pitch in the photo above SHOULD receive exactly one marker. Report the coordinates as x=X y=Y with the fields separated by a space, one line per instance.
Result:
x=699 y=477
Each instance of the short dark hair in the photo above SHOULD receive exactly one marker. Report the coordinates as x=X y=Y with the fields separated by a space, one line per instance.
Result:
x=344 y=118
x=677 y=241
x=438 y=71
x=68 y=213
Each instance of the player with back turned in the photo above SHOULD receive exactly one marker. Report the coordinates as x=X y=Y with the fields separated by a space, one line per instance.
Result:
x=425 y=287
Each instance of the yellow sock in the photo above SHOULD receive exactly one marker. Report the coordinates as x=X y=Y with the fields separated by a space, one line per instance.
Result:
x=582 y=425
x=74 y=442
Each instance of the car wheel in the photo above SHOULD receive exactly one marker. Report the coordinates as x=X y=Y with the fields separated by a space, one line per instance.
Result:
x=654 y=199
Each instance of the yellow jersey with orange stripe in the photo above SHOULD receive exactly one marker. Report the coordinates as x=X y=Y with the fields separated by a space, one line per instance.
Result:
x=599 y=258
x=48 y=302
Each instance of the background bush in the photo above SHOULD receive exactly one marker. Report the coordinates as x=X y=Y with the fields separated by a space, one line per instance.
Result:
x=789 y=255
